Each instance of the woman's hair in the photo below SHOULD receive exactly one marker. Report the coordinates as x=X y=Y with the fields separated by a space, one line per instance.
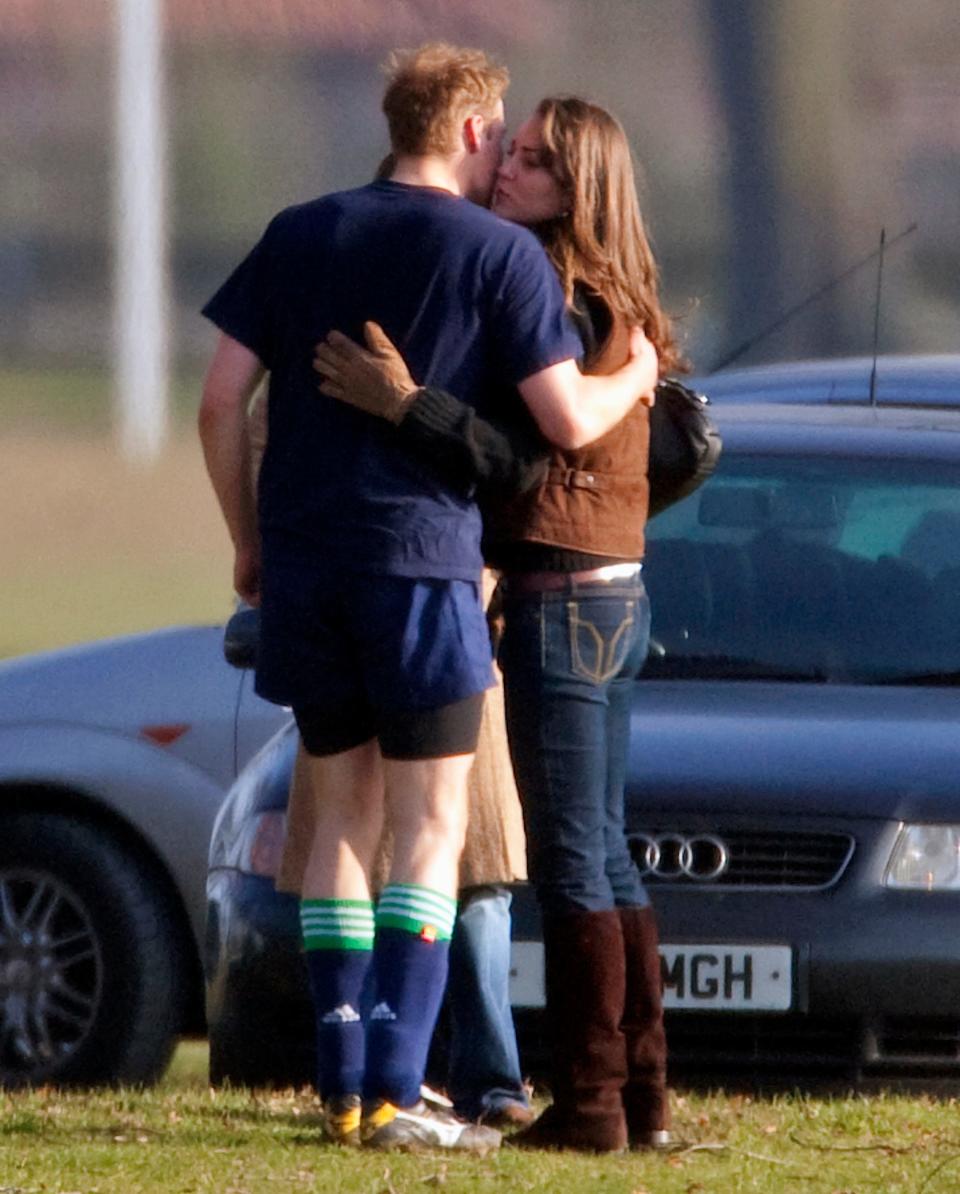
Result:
x=599 y=240
x=432 y=90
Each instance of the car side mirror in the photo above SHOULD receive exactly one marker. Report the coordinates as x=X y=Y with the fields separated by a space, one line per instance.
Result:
x=241 y=638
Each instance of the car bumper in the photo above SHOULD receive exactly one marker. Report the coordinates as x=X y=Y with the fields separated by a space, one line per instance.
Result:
x=256 y=982
x=875 y=980
x=875 y=986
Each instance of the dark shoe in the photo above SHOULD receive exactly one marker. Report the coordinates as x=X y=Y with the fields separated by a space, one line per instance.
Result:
x=585 y=985
x=341 y=1120
x=547 y=1133
x=508 y=1115
x=646 y=1101
x=554 y=1130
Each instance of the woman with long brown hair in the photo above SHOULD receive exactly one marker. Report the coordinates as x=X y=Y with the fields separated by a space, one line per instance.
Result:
x=576 y=617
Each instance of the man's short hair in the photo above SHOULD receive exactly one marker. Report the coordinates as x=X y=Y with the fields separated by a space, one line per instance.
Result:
x=432 y=90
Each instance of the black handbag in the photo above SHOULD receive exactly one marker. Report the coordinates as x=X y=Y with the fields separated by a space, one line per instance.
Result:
x=684 y=444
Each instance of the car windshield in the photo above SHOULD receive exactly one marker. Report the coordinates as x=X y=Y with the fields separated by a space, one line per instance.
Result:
x=810 y=569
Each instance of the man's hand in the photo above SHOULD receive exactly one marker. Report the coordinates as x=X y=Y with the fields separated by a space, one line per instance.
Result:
x=643 y=359
x=246 y=574
x=377 y=381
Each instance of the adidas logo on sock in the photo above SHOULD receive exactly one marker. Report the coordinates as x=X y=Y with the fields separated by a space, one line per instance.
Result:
x=344 y=1014
x=383 y=1011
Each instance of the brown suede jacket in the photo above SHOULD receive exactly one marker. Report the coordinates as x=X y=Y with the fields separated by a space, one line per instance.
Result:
x=592 y=501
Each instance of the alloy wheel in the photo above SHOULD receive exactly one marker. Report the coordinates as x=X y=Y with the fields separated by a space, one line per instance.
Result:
x=51 y=974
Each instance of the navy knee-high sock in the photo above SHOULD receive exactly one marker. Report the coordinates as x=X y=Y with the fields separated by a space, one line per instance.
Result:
x=338 y=940
x=409 y=977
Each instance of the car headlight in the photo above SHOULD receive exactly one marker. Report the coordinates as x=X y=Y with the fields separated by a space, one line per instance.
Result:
x=927 y=857
x=259 y=844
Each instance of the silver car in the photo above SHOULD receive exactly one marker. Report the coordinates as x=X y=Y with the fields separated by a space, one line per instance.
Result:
x=114 y=758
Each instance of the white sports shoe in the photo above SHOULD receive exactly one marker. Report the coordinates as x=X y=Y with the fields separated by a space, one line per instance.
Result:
x=429 y=1123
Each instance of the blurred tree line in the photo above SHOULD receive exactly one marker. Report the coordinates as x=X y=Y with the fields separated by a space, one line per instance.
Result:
x=775 y=139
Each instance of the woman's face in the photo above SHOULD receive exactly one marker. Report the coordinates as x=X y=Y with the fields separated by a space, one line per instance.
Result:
x=527 y=191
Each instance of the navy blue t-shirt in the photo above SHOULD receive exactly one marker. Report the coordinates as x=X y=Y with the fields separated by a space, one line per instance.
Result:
x=472 y=303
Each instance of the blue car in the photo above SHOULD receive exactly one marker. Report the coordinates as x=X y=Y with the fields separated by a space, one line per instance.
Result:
x=794 y=777
x=931 y=380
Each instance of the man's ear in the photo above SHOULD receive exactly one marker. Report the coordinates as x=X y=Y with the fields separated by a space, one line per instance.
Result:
x=473 y=128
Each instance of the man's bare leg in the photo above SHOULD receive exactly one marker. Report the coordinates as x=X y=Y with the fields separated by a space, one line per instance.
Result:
x=427 y=812
x=337 y=920
x=348 y=802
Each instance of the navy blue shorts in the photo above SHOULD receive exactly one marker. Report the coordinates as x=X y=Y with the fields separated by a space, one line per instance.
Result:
x=353 y=641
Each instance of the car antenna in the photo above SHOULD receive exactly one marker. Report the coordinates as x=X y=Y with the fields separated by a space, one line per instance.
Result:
x=739 y=351
x=876 y=320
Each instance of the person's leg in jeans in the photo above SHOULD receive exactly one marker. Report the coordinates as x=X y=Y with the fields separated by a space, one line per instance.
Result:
x=645 y=1097
x=620 y=868
x=483 y=1072
x=559 y=655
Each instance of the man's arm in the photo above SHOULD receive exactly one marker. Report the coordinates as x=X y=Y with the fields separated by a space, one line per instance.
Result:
x=570 y=409
x=573 y=409
x=234 y=374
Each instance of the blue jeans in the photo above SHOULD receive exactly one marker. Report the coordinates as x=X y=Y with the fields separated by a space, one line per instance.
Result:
x=569 y=661
x=483 y=1066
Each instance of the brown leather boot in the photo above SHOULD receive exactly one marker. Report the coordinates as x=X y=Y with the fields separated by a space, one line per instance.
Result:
x=585 y=984
x=645 y=1099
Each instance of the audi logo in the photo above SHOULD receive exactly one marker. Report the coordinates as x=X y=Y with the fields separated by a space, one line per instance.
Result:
x=700 y=856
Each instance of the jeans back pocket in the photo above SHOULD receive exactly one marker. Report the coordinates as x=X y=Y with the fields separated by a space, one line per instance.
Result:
x=599 y=647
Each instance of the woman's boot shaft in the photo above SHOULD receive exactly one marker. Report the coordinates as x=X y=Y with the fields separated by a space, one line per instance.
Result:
x=645 y=1097
x=585 y=986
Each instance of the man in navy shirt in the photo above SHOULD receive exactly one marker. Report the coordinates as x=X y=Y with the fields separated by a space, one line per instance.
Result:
x=367 y=567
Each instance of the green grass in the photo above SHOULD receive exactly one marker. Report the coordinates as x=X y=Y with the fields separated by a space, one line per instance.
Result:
x=77 y=398
x=93 y=545
x=183 y=1137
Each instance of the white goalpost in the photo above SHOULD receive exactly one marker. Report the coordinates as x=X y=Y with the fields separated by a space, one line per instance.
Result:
x=141 y=313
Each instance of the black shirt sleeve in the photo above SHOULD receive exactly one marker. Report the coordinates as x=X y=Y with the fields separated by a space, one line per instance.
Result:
x=470 y=453
x=474 y=455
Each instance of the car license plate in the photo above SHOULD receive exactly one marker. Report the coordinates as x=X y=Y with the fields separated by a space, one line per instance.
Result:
x=708 y=977
x=718 y=977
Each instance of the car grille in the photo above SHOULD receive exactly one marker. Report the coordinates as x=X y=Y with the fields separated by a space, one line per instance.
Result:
x=740 y=858
x=796 y=1044
x=920 y=1042
x=728 y=1048
x=740 y=1041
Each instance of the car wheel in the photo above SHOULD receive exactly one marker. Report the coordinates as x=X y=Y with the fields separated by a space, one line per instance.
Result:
x=91 y=966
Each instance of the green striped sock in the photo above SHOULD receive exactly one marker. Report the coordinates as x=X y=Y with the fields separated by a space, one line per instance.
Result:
x=336 y=924
x=418 y=910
